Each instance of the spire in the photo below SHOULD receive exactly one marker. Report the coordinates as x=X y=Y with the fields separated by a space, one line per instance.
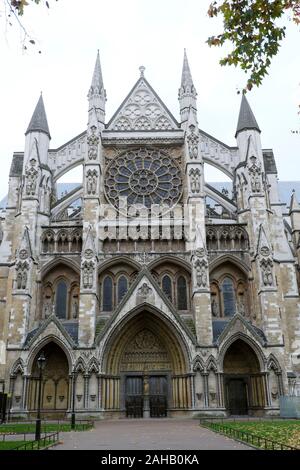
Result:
x=246 y=117
x=186 y=77
x=187 y=94
x=39 y=121
x=97 y=81
x=97 y=96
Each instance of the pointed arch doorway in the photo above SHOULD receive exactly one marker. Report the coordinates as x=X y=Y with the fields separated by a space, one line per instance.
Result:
x=55 y=382
x=244 y=382
x=146 y=369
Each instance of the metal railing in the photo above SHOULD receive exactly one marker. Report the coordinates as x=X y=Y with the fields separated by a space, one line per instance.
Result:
x=81 y=425
x=247 y=437
x=46 y=441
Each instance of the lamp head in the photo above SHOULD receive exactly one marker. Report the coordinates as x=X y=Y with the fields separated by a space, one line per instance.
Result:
x=41 y=361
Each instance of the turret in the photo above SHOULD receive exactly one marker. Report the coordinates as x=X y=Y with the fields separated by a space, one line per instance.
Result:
x=38 y=133
x=247 y=126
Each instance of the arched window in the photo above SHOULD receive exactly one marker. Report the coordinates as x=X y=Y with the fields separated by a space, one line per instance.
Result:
x=61 y=300
x=228 y=297
x=107 y=294
x=181 y=293
x=122 y=287
x=167 y=286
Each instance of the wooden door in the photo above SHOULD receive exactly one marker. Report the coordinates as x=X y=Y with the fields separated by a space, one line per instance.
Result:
x=134 y=397
x=237 y=396
x=158 y=392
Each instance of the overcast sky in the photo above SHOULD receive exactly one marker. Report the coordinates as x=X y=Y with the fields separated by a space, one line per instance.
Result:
x=129 y=34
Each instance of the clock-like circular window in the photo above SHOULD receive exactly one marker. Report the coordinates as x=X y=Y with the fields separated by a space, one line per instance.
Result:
x=144 y=176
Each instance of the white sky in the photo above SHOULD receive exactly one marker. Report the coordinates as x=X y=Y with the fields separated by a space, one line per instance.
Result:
x=129 y=34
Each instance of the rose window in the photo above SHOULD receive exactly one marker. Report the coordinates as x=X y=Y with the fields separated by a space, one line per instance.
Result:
x=145 y=177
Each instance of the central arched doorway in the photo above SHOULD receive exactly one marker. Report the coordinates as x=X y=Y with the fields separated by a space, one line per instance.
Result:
x=55 y=381
x=243 y=380
x=146 y=365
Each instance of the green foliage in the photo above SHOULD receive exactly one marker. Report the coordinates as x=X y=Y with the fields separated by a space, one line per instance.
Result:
x=15 y=10
x=252 y=28
x=281 y=431
x=9 y=445
x=19 y=5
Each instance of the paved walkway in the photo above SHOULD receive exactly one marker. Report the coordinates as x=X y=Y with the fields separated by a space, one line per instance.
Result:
x=147 y=434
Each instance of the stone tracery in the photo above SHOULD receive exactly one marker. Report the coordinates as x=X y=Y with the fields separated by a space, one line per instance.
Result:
x=144 y=176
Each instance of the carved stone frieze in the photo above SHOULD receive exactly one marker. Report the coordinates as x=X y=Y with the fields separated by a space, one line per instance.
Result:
x=226 y=237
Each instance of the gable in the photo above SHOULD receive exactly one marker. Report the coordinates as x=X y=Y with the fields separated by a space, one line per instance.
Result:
x=145 y=293
x=239 y=325
x=142 y=110
x=51 y=327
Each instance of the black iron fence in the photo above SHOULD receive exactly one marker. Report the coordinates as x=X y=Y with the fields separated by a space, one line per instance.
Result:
x=46 y=441
x=244 y=436
x=81 y=425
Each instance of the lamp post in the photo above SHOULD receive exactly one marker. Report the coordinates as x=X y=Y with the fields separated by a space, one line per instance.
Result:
x=73 y=418
x=41 y=365
x=3 y=402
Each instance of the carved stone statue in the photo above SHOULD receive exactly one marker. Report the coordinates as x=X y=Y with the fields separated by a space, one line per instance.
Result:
x=267 y=274
x=75 y=308
x=19 y=280
x=48 y=308
x=93 y=141
x=200 y=268
x=91 y=185
x=24 y=279
x=242 y=308
x=255 y=175
x=201 y=275
x=88 y=275
x=214 y=308
x=195 y=180
x=31 y=175
x=193 y=142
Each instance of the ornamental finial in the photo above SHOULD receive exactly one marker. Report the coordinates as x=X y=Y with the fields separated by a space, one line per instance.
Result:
x=142 y=70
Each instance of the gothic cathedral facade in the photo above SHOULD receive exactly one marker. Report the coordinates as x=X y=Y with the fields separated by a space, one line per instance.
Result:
x=145 y=300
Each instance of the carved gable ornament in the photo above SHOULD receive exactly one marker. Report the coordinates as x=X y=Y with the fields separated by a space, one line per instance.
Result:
x=144 y=294
x=142 y=110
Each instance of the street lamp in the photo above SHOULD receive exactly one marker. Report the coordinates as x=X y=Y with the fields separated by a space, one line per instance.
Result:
x=41 y=365
x=3 y=402
x=73 y=401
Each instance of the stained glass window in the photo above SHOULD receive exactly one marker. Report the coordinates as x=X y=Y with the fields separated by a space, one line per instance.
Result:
x=107 y=305
x=167 y=286
x=228 y=297
x=181 y=293
x=122 y=287
x=61 y=300
x=144 y=176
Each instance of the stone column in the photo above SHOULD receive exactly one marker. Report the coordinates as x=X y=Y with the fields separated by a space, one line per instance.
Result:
x=86 y=391
x=206 y=397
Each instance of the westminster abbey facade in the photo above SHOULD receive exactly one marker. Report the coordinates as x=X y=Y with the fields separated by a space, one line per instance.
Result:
x=149 y=291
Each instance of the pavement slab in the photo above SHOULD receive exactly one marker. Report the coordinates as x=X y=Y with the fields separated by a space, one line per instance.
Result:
x=147 y=434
